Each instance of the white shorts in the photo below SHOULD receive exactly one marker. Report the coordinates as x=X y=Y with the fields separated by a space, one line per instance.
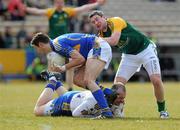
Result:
x=78 y=98
x=82 y=101
x=102 y=51
x=131 y=63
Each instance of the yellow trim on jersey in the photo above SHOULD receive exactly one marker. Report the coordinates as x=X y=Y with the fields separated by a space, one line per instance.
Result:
x=50 y=12
x=66 y=106
x=70 y=11
x=56 y=41
x=116 y=24
x=77 y=47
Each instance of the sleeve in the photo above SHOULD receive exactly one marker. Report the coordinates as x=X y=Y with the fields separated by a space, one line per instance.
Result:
x=49 y=12
x=70 y=11
x=62 y=48
x=117 y=24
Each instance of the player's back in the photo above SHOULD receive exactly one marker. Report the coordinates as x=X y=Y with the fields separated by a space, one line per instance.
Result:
x=78 y=41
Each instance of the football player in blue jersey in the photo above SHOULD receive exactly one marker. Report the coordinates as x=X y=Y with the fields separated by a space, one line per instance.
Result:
x=76 y=103
x=88 y=53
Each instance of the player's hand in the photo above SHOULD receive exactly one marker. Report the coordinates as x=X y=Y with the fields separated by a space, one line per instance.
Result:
x=56 y=68
x=101 y=2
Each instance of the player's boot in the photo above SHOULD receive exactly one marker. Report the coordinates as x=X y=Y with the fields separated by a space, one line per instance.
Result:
x=70 y=89
x=45 y=74
x=164 y=115
x=107 y=112
x=103 y=116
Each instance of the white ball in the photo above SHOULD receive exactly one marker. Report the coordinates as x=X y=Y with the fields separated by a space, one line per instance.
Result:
x=118 y=111
x=54 y=58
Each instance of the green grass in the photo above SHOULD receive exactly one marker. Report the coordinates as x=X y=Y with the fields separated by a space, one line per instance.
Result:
x=17 y=100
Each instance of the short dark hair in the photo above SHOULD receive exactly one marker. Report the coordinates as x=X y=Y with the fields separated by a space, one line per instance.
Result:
x=115 y=87
x=96 y=12
x=39 y=37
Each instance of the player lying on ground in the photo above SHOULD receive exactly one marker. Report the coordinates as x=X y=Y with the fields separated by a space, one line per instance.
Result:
x=76 y=103
x=90 y=54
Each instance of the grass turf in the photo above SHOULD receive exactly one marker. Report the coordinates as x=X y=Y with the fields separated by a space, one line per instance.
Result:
x=17 y=100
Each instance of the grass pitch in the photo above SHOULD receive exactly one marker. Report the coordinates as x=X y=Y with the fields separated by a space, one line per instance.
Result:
x=17 y=100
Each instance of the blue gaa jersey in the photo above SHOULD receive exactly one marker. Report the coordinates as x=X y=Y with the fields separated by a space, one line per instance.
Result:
x=65 y=44
x=61 y=105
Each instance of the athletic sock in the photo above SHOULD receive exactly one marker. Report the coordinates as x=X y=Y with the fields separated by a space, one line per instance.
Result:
x=106 y=91
x=51 y=86
x=99 y=96
x=58 y=84
x=161 y=106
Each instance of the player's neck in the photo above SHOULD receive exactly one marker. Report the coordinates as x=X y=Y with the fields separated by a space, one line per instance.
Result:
x=59 y=9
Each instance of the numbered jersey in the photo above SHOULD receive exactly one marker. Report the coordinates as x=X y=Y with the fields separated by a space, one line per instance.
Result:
x=65 y=44
x=74 y=103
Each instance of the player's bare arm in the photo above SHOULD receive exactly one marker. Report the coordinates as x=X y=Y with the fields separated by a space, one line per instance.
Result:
x=77 y=59
x=88 y=7
x=35 y=11
x=113 y=39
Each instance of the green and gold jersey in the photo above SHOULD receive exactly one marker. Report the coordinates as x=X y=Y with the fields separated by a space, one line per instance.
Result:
x=58 y=21
x=131 y=40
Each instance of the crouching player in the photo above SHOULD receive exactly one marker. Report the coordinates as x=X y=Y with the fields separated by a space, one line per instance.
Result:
x=88 y=53
x=77 y=103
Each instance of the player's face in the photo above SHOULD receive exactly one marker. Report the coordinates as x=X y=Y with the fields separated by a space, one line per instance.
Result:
x=98 y=22
x=59 y=3
x=120 y=97
x=42 y=49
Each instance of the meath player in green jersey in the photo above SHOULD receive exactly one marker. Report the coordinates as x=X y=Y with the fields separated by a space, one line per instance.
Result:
x=59 y=15
x=137 y=50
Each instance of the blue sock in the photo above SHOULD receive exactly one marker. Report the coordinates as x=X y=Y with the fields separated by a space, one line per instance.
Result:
x=106 y=91
x=50 y=86
x=97 y=82
x=58 y=84
x=99 y=96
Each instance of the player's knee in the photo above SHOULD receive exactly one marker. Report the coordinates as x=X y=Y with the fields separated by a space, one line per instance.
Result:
x=78 y=82
x=87 y=81
x=37 y=111
x=156 y=80
x=119 y=80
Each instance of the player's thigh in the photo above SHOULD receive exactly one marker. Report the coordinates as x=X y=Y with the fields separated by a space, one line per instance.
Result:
x=93 y=68
x=79 y=77
x=101 y=51
x=153 y=67
x=128 y=66
x=78 y=98
x=151 y=61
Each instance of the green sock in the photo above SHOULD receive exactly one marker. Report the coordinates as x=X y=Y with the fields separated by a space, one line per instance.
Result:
x=161 y=106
